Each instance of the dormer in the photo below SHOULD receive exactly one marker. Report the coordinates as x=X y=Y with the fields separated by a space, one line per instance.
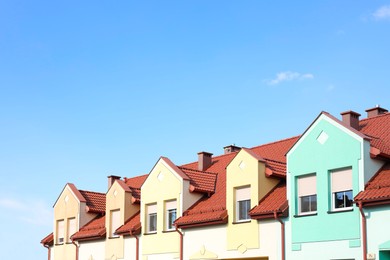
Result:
x=73 y=209
x=167 y=192
x=246 y=184
x=122 y=203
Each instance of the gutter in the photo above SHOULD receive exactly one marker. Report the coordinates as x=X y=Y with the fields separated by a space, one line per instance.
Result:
x=181 y=242
x=364 y=230
x=136 y=244
x=77 y=249
x=48 y=251
x=282 y=231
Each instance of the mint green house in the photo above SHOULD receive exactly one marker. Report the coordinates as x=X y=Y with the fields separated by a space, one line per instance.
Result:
x=326 y=168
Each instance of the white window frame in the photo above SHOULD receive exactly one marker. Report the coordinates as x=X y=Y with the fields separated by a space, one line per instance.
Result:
x=307 y=188
x=341 y=182
x=115 y=222
x=60 y=231
x=71 y=228
x=151 y=218
x=242 y=202
x=170 y=209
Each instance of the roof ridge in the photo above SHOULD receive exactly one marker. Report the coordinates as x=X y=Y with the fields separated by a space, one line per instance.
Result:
x=194 y=170
x=96 y=192
x=369 y=118
x=274 y=142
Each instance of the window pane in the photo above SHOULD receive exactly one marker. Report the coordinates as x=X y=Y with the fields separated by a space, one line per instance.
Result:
x=243 y=209
x=152 y=222
x=308 y=203
x=60 y=231
x=343 y=199
x=171 y=218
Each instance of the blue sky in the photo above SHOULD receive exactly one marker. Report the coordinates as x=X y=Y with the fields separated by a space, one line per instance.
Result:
x=94 y=88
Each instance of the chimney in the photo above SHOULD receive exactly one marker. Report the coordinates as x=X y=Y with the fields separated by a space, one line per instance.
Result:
x=204 y=160
x=111 y=180
x=375 y=111
x=231 y=149
x=351 y=118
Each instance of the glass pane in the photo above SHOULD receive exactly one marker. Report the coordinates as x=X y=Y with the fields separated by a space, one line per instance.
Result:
x=152 y=222
x=308 y=203
x=243 y=209
x=343 y=199
x=171 y=218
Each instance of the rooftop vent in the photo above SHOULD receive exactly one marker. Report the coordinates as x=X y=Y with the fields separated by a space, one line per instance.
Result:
x=351 y=118
x=375 y=111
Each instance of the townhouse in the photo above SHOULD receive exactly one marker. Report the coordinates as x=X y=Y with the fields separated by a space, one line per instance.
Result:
x=322 y=195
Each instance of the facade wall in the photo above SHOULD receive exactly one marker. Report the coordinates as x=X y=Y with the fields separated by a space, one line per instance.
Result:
x=211 y=243
x=245 y=171
x=67 y=207
x=94 y=249
x=378 y=230
x=117 y=199
x=327 y=228
x=162 y=185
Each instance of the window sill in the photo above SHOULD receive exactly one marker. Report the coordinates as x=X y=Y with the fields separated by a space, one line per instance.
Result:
x=113 y=237
x=305 y=215
x=58 y=244
x=169 y=231
x=242 y=222
x=150 y=233
x=340 y=211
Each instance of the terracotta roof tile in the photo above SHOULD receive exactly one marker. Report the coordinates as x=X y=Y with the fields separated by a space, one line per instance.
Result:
x=48 y=240
x=211 y=209
x=201 y=181
x=133 y=224
x=96 y=201
x=135 y=184
x=95 y=229
x=378 y=188
x=274 y=201
x=377 y=128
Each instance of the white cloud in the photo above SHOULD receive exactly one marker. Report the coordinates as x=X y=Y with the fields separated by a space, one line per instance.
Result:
x=382 y=13
x=289 y=76
x=34 y=212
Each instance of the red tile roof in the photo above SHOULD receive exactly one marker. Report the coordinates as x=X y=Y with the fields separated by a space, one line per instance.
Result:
x=95 y=229
x=48 y=240
x=133 y=224
x=135 y=184
x=377 y=128
x=378 y=188
x=274 y=201
x=201 y=181
x=212 y=210
x=96 y=201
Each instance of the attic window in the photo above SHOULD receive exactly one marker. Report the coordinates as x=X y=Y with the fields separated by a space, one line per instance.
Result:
x=322 y=138
x=60 y=231
x=243 y=203
x=242 y=165
x=160 y=176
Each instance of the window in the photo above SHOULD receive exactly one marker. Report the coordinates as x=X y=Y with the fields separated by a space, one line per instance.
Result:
x=151 y=211
x=170 y=215
x=71 y=228
x=307 y=195
x=243 y=203
x=341 y=182
x=115 y=222
x=60 y=231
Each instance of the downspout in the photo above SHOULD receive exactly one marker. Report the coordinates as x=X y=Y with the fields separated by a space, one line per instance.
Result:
x=282 y=230
x=364 y=230
x=77 y=249
x=181 y=242
x=136 y=244
x=48 y=251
